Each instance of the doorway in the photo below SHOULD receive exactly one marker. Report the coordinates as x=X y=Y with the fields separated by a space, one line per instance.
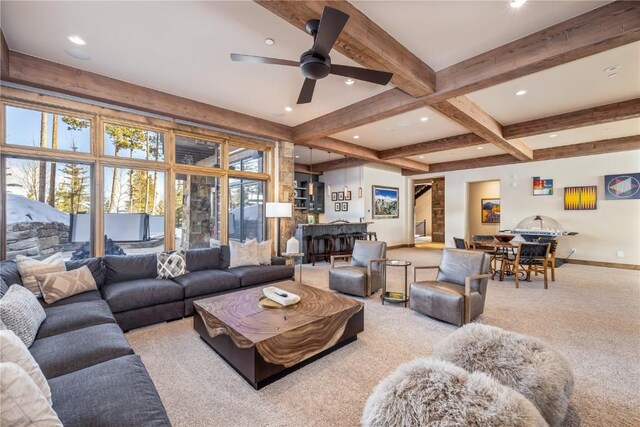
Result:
x=428 y=213
x=483 y=208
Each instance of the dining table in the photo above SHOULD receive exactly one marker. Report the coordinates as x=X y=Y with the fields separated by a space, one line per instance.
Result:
x=499 y=251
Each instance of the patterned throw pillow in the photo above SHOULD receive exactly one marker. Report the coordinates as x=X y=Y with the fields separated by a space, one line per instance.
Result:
x=264 y=252
x=172 y=264
x=243 y=253
x=3 y=287
x=21 y=312
x=23 y=404
x=13 y=350
x=29 y=267
x=63 y=284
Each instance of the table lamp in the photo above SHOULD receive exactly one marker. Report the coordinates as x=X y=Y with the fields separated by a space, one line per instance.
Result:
x=278 y=210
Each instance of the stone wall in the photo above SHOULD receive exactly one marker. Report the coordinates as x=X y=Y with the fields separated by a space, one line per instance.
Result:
x=36 y=239
x=437 y=209
x=285 y=189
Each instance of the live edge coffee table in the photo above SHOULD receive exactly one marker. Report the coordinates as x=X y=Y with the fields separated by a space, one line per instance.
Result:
x=265 y=344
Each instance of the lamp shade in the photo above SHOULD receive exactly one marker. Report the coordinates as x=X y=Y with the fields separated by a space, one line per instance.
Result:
x=278 y=210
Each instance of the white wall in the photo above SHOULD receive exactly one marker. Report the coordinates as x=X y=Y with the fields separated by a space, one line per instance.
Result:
x=423 y=210
x=614 y=226
x=337 y=180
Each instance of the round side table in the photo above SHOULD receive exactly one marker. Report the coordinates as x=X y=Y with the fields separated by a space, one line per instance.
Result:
x=396 y=296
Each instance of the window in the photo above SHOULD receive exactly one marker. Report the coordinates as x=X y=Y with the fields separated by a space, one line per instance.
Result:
x=197 y=211
x=246 y=209
x=192 y=151
x=33 y=128
x=135 y=143
x=48 y=209
x=246 y=159
x=133 y=211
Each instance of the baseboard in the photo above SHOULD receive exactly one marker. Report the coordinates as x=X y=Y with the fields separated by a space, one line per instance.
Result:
x=405 y=245
x=603 y=264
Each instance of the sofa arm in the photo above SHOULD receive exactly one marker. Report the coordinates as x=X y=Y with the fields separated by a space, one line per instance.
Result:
x=277 y=260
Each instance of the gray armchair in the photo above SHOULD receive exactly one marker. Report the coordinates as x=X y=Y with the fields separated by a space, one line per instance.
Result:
x=366 y=273
x=458 y=293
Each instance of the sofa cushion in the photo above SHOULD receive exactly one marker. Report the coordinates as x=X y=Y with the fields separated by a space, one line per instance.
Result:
x=21 y=312
x=3 y=287
x=207 y=281
x=255 y=274
x=29 y=267
x=70 y=317
x=349 y=280
x=10 y=273
x=63 y=353
x=123 y=296
x=118 y=392
x=95 y=266
x=204 y=259
x=244 y=253
x=83 y=297
x=225 y=257
x=65 y=284
x=121 y=268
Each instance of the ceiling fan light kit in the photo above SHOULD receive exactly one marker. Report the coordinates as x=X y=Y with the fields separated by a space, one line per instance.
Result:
x=315 y=63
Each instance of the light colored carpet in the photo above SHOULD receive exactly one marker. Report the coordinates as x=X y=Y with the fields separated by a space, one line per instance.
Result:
x=590 y=314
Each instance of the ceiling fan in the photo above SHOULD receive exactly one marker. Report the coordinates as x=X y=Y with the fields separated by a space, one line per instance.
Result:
x=316 y=63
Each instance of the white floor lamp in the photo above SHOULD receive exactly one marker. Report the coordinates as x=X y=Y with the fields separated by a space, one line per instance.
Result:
x=278 y=210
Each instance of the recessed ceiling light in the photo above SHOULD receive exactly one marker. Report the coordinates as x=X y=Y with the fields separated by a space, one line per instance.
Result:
x=356 y=136
x=422 y=157
x=516 y=3
x=613 y=75
x=297 y=157
x=288 y=109
x=553 y=135
x=269 y=42
x=424 y=119
x=78 y=53
x=480 y=147
x=521 y=92
x=76 y=40
x=611 y=69
x=349 y=82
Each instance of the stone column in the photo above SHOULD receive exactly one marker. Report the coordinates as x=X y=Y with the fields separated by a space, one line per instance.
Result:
x=284 y=190
x=437 y=210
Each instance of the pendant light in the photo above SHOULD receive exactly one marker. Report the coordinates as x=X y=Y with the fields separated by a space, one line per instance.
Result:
x=311 y=173
x=346 y=187
x=360 y=187
x=328 y=179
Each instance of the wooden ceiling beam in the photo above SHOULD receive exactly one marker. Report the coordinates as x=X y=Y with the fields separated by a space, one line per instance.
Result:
x=433 y=146
x=610 y=26
x=589 y=116
x=302 y=168
x=364 y=41
x=4 y=56
x=470 y=115
x=49 y=75
x=338 y=164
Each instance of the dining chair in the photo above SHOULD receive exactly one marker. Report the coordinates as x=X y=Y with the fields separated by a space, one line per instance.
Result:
x=530 y=258
x=460 y=243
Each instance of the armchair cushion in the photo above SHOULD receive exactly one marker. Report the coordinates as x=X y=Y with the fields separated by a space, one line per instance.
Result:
x=349 y=280
x=456 y=264
x=363 y=251
x=443 y=301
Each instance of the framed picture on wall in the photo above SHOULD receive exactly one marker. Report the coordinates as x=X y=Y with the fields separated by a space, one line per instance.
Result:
x=345 y=206
x=542 y=187
x=581 y=198
x=623 y=186
x=348 y=195
x=385 y=202
x=340 y=195
x=337 y=207
x=334 y=196
x=490 y=211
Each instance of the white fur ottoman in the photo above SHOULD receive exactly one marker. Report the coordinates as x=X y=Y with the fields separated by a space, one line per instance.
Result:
x=428 y=392
x=523 y=363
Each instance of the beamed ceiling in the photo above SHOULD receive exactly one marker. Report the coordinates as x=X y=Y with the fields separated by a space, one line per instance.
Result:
x=450 y=105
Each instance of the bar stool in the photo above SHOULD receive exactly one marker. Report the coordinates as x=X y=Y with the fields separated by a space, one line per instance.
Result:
x=341 y=246
x=321 y=248
x=372 y=235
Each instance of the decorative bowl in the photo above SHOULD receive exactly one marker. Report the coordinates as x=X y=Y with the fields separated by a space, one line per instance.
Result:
x=504 y=237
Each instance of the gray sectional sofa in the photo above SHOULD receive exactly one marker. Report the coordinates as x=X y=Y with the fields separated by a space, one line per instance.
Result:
x=94 y=375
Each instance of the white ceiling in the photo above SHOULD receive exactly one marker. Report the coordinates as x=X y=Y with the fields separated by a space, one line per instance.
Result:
x=183 y=48
x=403 y=129
x=443 y=33
x=459 y=154
x=568 y=87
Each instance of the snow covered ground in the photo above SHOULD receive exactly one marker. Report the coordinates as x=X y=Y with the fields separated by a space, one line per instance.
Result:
x=23 y=209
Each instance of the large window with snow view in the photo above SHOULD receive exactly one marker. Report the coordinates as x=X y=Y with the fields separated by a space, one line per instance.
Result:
x=134 y=202
x=48 y=209
x=133 y=142
x=246 y=210
x=197 y=206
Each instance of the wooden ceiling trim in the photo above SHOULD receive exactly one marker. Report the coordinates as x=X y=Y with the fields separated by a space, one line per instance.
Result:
x=49 y=75
x=470 y=115
x=610 y=26
x=4 y=56
x=433 y=146
x=363 y=41
x=338 y=164
x=589 y=116
x=302 y=168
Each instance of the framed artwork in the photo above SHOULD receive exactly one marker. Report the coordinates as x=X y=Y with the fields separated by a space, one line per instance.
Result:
x=337 y=207
x=341 y=195
x=542 y=187
x=334 y=196
x=385 y=202
x=580 y=198
x=622 y=186
x=490 y=210
x=311 y=219
x=348 y=195
x=345 y=206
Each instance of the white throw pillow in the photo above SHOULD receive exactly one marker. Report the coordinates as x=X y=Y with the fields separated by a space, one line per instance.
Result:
x=243 y=253
x=63 y=284
x=29 y=267
x=264 y=252
x=23 y=404
x=22 y=313
x=13 y=350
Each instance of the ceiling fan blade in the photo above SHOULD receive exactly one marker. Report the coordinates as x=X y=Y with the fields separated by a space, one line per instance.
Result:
x=263 y=60
x=331 y=24
x=306 y=93
x=372 y=76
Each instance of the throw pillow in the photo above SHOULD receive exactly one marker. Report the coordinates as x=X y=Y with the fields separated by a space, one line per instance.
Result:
x=23 y=404
x=13 y=350
x=3 y=287
x=264 y=252
x=172 y=264
x=63 y=284
x=244 y=253
x=21 y=312
x=29 y=267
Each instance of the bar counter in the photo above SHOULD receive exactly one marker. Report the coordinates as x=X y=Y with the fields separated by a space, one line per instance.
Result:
x=304 y=231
